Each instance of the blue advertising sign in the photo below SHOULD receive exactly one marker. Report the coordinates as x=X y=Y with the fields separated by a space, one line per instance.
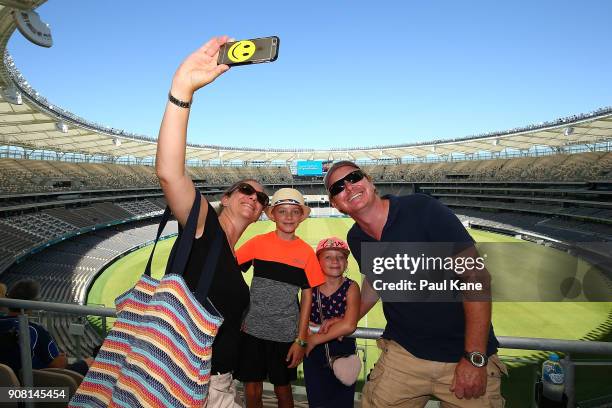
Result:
x=310 y=168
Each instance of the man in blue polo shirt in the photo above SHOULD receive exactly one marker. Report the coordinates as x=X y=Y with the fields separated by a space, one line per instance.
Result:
x=444 y=349
x=45 y=353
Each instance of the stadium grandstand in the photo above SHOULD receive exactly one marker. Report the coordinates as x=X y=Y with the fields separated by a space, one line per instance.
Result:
x=76 y=195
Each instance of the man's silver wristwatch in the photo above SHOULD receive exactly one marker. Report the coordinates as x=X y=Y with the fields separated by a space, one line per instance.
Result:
x=476 y=358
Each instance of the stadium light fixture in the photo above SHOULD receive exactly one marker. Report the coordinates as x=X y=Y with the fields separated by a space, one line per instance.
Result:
x=568 y=131
x=61 y=126
x=13 y=96
x=30 y=25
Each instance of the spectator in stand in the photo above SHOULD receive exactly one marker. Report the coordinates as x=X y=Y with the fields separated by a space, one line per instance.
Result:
x=45 y=353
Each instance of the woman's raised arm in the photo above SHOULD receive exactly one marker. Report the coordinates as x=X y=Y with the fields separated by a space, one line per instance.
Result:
x=198 y=70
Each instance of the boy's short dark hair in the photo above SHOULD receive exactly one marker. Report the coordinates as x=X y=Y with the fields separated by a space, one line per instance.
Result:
x=25 y=289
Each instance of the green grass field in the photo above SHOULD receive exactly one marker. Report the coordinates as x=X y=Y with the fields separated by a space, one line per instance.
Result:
x=563 y=320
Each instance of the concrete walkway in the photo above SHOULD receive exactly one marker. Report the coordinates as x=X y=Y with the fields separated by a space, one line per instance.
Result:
x=300 y=399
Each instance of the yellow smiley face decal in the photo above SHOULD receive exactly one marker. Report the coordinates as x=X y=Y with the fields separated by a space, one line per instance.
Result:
x=241 y=51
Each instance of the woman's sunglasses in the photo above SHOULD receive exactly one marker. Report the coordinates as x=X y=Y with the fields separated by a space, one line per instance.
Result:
x=247 y=189
x=338 y=187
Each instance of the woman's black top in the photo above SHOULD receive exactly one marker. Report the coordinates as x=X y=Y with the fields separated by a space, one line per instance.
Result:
x=229 y=293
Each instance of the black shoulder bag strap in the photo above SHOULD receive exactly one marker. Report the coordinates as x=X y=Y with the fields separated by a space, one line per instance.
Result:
x=182 y=247
x=162 y=225
x=181 y=251
x=179 y=255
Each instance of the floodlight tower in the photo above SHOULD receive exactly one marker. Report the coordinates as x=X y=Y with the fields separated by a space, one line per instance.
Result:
x=28 y=22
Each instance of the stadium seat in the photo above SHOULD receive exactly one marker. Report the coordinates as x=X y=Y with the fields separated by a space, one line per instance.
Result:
x=78 y=378
x=55 y=378
x=8 y=379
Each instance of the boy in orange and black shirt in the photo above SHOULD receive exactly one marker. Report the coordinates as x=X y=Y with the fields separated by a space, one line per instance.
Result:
x=275 y=327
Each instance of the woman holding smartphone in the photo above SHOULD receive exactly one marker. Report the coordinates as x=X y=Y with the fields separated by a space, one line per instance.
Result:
x=241 y=205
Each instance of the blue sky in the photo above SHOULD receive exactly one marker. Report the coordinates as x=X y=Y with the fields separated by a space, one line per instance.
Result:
x=349 y=73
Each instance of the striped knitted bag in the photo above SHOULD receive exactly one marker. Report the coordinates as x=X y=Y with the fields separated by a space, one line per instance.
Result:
x=159 y=351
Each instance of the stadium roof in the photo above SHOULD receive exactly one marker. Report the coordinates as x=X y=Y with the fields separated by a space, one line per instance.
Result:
x=29 y=120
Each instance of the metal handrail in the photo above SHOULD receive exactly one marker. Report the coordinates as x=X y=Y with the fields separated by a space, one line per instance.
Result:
x=510 y=342
x=58 y=307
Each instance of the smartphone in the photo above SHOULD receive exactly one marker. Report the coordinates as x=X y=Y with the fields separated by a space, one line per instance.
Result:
x=253 y=51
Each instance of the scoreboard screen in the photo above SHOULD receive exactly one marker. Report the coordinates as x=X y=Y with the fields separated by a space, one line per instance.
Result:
x=310 y=168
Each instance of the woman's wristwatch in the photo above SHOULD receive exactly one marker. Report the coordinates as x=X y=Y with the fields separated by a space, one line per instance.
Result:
x=178 y=102
x=300 y=342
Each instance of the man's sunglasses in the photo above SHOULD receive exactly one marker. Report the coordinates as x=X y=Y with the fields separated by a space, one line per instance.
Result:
x=338 y=187
x=247 y=189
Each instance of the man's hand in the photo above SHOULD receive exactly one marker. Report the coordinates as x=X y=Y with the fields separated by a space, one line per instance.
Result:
x=295 y=355
x=469 y=381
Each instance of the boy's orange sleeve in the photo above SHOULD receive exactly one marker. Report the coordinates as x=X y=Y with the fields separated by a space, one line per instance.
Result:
x=314 y=274
x=246 y=253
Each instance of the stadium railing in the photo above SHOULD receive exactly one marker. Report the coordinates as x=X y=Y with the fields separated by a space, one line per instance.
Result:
x=510 y=342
